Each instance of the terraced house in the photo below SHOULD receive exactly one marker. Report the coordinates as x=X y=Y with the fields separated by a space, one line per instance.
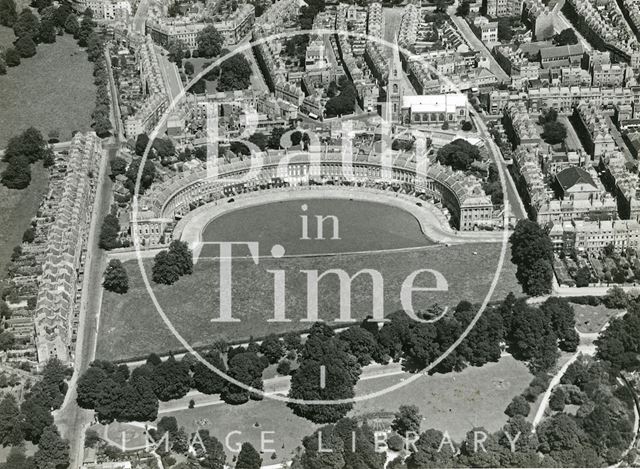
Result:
x=57 y=307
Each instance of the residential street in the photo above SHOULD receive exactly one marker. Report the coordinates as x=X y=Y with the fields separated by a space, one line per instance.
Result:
x=477 y=44
x=515 y=201
x=71 y=419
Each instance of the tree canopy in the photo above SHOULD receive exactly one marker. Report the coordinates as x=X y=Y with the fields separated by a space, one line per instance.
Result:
x=209 y=42
x=115 y=277
x=531 y=252
x=459 y=154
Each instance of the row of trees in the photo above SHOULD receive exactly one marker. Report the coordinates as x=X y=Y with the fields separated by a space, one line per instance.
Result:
x=532 y=334
x=89 y=38
x=116 y=394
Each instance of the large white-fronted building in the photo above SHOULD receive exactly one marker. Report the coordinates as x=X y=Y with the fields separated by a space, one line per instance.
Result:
x=434 y=109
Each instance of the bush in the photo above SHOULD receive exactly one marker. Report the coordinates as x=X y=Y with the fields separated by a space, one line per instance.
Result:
x=467 y=126
x=395 y=442
x=557 y=400
x=585 y=300
x=12 y=57
x=518 y=406
x=284 y=367
x=538 y=385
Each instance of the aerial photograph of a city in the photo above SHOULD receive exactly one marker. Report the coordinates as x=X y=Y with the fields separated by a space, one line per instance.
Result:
x=319 y=234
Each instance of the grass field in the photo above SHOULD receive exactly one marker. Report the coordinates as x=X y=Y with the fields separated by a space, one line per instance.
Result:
x=6 y=36
x=29 y=450
x=593 y=318
x=16 y=209
x=131 y=327
x=52 y=90
x=455 y=402
x=359 y=225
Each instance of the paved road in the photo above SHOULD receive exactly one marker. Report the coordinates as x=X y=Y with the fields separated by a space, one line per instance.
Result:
x=278 y=385
x=478 y=45
x=141 y=16
x=564 y=23
x=257 y=80
x=71 y=419
x=515 y=201
x=170 y=75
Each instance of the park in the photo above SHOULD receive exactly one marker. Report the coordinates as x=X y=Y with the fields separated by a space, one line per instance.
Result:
x=373 y=236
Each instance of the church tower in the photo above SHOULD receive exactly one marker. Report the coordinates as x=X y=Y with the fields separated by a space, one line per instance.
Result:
x=394 y=88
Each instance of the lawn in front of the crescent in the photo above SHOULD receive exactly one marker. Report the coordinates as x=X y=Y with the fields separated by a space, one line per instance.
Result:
x=131 y=327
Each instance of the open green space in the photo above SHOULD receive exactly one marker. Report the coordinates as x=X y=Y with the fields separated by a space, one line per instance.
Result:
x=455 y=402
x=131 y=327
x=590 y=319
x=359 y=226
x=29 y=450
x=53 y=90
x=16 y=209
x=6 y=36
x=269 y=415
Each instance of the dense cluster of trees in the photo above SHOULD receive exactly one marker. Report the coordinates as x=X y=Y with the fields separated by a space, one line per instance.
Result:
x=232 y=74
x=532 y=253
x=553 y=131
x=32 y=421
x=115 y=277
x=8 y=13
x=146 y=179
x=332 y=446
x=116 y=394
x=531 y=334
x=535 y=334
x=619 y=343
x=209 y=42
x=464 y=8
x=492 y=186
x=343 y=103
x=565 y=37
x=459 y=154
x=109 y=233
x=594 y=436
x=506 y=25
x=22 y=151
x=323 y=348
x=308 y=13
x=169 y=265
